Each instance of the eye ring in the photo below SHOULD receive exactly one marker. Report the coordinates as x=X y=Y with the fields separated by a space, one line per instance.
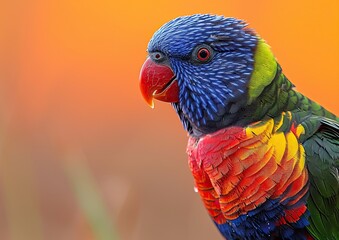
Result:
x=202 y=53
x=158 y=57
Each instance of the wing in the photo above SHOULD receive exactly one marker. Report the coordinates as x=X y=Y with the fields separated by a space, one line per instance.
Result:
x=322 y=158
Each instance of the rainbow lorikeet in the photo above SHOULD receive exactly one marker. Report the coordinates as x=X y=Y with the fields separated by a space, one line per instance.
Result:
x=264 y=157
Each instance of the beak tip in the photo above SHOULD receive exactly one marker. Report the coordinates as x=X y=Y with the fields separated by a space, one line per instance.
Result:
x=147 y=97
x=151 y=103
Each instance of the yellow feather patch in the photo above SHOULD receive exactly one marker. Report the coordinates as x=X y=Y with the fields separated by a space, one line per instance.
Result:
x=280 y=123
x=278 y=141
x=300 y=130
x=292 y=145
x=260 y=128
x=289 y=115
x=286 y=146
x=265 y=67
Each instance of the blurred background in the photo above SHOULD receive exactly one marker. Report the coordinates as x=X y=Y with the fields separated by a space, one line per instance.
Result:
x=81 y=154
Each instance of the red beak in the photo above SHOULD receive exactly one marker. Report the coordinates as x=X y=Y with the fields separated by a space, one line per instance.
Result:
x=158 y=81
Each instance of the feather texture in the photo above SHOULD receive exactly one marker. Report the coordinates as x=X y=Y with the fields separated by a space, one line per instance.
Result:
x=264 y=157
x=255 y=175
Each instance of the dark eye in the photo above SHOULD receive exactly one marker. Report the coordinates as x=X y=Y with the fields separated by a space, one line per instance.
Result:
x=202 y=53
x=157 y=56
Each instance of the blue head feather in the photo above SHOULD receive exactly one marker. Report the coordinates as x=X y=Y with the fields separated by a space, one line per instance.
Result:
x=208 y=92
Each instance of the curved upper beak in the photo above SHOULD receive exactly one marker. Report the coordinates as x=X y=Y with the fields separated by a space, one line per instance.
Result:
x=158 y=81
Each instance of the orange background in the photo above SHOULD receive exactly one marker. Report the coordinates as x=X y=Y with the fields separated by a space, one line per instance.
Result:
x=76 y=135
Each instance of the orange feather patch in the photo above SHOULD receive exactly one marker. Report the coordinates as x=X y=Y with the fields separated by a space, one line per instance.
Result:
x=237 y=169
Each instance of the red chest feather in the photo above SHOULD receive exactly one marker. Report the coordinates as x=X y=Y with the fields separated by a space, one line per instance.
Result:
x=237 y=169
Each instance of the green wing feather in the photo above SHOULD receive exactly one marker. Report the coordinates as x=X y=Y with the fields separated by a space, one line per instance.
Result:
x=269 y=94
x=322 y=154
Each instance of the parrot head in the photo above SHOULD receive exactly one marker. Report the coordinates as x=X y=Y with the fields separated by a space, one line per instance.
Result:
x=204 y=65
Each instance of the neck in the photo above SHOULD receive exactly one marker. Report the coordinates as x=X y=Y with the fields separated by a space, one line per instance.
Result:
x=279 y=96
